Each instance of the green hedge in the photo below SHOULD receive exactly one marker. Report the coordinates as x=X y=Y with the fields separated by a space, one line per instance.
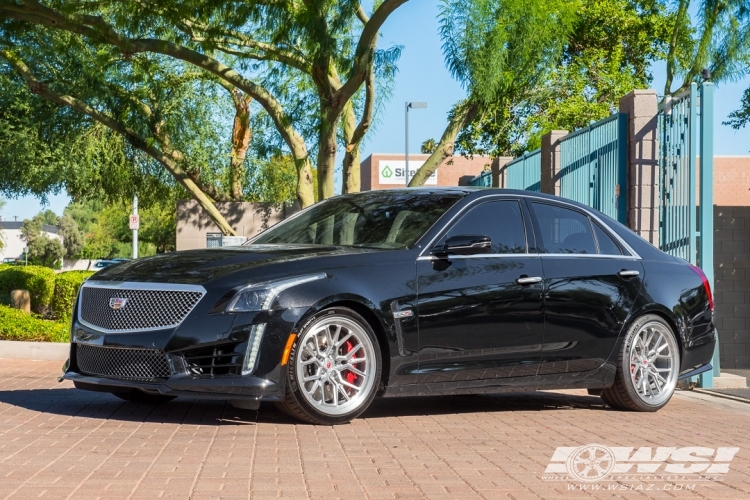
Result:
x=38 y=280
x=67 y=285
x=17 y=325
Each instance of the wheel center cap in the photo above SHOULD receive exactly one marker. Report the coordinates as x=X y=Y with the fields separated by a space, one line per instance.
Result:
x=329 y=364
x=645 y=362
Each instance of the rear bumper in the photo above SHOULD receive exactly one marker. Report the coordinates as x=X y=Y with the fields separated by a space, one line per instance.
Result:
x=235 y=387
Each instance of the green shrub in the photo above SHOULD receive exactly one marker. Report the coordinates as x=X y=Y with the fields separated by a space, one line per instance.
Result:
x=17 y=325
x=67 y=285
x=38 y=280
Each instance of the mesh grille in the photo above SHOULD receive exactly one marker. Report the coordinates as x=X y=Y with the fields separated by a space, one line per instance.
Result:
x=144 y=309
x=133 y=364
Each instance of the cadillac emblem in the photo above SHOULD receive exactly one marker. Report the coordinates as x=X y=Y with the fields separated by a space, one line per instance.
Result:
x=117 y=303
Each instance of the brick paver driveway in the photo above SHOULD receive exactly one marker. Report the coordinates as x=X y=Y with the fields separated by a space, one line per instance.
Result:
x=58 y=442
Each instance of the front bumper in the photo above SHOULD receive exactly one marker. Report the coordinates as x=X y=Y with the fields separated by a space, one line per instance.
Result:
x=244 y=387
x=267 y=381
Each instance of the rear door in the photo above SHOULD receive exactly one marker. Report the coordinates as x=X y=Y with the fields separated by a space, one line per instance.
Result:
x=480 y=316
x=591 y=283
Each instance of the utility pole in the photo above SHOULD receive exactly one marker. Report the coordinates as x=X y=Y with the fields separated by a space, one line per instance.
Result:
x=134 y=225
x=416 y=105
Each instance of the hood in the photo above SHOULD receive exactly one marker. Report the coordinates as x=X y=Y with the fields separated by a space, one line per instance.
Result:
x=202 y=266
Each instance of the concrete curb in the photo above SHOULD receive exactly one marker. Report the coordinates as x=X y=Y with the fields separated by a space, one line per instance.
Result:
x=46 y=351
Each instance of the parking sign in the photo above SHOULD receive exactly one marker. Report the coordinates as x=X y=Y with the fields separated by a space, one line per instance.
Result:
x=135 y=221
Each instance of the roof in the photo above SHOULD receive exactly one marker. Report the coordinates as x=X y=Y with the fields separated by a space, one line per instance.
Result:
x=16 y=225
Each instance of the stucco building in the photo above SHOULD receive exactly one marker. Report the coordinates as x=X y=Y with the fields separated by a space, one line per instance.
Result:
x=385 y=170
x=13 y=245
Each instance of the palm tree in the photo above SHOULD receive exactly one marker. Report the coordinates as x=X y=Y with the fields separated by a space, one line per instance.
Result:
x=429 y=146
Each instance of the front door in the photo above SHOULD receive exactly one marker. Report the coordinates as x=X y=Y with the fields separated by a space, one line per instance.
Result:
x=590 y=286
x=480 y=316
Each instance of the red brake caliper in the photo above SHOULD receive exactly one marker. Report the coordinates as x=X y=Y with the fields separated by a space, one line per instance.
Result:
x=350 y=376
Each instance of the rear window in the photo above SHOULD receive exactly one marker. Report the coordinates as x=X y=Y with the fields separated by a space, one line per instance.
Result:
x=563 y=230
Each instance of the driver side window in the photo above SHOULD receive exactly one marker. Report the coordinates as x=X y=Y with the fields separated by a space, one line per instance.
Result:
x=501 y=220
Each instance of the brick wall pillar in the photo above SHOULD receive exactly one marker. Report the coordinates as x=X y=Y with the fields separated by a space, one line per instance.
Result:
x=643 y=173
x=551 y=161
x=498 y=170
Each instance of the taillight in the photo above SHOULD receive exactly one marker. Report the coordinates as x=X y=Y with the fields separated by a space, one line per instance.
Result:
x=706 y=284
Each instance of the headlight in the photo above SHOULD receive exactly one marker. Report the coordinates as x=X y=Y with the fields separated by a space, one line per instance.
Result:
x=260 y=296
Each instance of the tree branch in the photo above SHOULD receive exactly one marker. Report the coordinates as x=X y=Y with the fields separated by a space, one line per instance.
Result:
x=96 y=29
x=365 y=50
x=40 y=88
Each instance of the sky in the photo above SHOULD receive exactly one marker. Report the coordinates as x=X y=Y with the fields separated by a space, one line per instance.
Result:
x=422 y=76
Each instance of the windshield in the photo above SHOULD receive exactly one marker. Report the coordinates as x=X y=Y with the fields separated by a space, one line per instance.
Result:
x=377 y=219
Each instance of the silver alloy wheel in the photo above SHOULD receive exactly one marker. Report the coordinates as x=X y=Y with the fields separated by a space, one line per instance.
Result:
x=654 y=363
x=335 y=368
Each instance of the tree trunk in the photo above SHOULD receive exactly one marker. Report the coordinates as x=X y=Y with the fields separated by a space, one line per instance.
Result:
x=241 y=135
x=460 y=117
x=326 y=157
x=352 y=175
x=305 y=184
x=352 y=181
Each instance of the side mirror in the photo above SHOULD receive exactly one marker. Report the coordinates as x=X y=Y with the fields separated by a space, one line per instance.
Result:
x=465 y=244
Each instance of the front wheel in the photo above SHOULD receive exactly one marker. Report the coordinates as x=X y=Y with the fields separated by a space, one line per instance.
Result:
x=648 y=367
x=334 y=368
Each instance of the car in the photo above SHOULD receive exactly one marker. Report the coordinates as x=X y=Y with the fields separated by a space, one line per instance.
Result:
x=400 y=292
x=106 y=263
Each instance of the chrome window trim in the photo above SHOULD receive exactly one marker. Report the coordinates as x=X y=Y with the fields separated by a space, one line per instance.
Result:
x=136 y=285
x=478 y=256
x=605 y=227
x=510 y=255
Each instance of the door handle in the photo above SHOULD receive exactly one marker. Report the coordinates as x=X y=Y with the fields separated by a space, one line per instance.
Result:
x=628 y=273
x=528 y=280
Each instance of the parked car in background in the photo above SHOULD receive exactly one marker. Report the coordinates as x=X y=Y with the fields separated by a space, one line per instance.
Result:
x=401 y=292
x=105 y=263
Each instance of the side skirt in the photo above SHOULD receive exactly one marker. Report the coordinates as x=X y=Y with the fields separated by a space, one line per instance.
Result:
x=601 y=378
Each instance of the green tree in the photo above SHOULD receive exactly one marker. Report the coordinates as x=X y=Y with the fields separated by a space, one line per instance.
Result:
x=304 y=63
x=272 y=180
x=2 y=237
x=497 y=49
x=72 y=238
x=42 y=250
x=717 y=38
x=740 y=117
x=429 y=146
x=159 y=227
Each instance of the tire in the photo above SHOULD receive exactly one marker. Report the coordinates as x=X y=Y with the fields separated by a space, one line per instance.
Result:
x=323 y=386
x=646 y=378
x=136 y=396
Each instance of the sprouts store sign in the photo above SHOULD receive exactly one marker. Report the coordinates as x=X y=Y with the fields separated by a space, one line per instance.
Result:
x=392 y=172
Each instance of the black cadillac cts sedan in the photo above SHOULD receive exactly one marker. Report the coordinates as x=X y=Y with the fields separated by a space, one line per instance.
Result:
x=395 y=293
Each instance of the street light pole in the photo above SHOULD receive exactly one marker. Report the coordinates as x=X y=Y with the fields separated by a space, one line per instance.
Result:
x=415 y=105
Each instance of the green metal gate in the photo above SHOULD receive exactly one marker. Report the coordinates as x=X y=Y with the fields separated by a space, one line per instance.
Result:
x=593 y=166
x=685 y=132
x=525 y=172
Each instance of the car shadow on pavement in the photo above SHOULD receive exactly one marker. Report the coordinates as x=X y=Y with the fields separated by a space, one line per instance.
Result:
x=72 y=402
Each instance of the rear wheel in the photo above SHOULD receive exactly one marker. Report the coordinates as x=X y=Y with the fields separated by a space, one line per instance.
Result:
x=333 y=370
x=647 y=368
x=136 y=396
